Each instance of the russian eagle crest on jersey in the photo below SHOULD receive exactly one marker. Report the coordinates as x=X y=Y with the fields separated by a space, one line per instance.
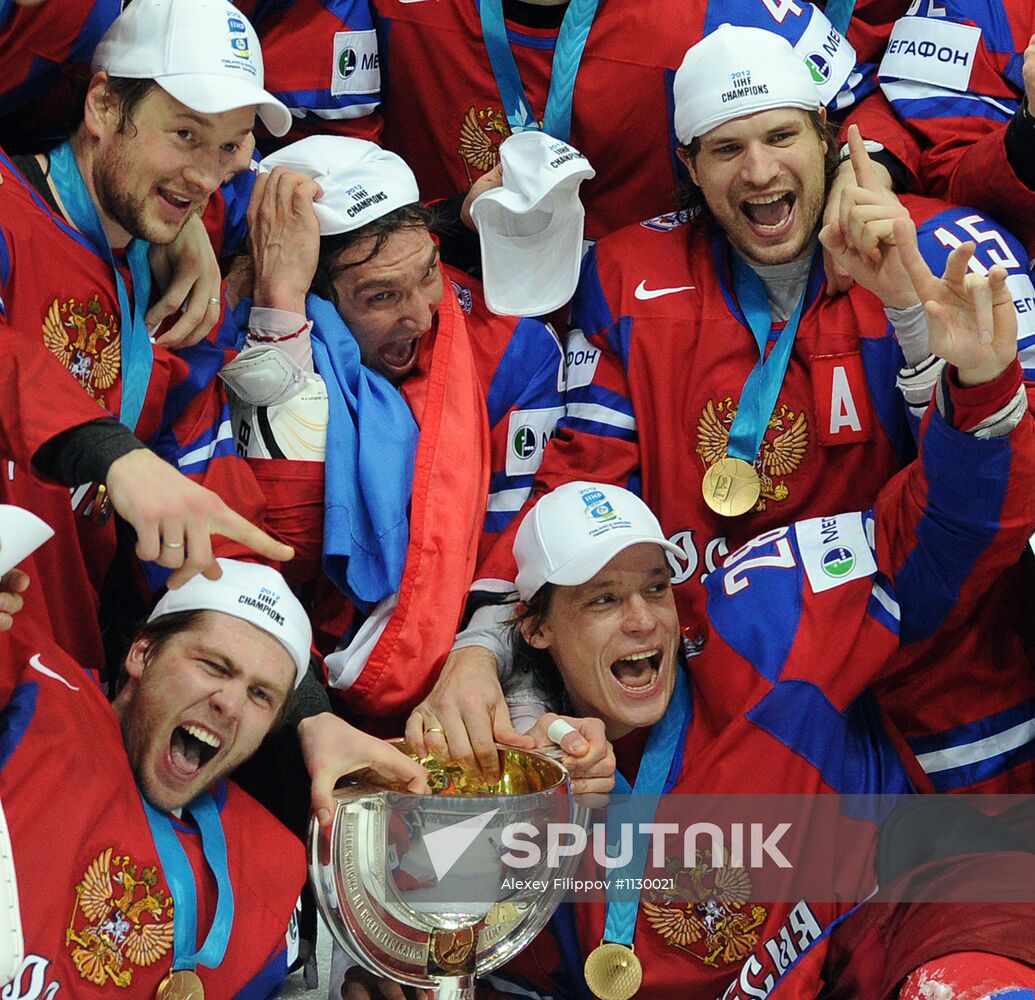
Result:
x=707 y=912
x=85 y=339
x=780 y=453
x=122 y=917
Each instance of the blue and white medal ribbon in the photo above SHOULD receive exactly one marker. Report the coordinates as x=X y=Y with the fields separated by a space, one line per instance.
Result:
x=567 y=55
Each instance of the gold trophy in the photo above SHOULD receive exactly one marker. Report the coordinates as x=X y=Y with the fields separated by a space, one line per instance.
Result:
x=432 y=890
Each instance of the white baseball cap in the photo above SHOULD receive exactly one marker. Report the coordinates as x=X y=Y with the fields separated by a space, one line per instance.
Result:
x=575 y=531
x=254 y=593
x=360 y=181
x=530 y=228
x=738 y=71
x=204 y=53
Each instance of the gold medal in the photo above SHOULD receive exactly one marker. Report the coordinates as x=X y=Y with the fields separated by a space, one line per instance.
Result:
x=183 y=984
x=613 y=972
x=731 y=487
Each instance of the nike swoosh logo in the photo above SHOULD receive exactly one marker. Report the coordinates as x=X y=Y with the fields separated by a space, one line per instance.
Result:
x=37 y=664
x=645 y=294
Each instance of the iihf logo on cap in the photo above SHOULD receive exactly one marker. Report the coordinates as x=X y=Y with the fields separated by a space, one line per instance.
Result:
x=597 y=505
x=238 y=35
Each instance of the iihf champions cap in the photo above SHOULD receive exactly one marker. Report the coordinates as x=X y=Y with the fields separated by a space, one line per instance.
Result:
x=738 y=71
x=254 y=593
x=575 y=531
x=360 y=181
x=204 y=53
x=530 y=228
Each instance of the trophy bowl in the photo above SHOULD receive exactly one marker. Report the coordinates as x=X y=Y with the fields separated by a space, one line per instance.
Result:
x=432 y=890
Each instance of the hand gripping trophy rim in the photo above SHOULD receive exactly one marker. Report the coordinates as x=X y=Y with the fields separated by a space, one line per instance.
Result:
x=361 y=904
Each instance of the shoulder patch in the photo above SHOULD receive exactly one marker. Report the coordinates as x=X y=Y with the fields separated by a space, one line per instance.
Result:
x=663 y=223
x=580 y=359
x=356 y=68
x=937 y=52
x=834 y=550
x=528 y=432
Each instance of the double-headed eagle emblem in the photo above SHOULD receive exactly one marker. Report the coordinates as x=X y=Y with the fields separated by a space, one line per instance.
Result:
x=121 y=918
x=781 y=452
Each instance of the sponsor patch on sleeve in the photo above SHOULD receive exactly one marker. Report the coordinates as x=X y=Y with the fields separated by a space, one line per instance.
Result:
x=580 y=360
x=527 y=434
x=356 y=68
x=827 y=54
x=940 y=53
x=834 y=550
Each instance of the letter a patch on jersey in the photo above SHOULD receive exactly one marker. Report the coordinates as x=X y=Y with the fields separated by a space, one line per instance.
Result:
x=844 y=414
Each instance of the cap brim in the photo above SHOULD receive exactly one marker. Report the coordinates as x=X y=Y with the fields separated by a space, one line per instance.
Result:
x=591 y=560
x=212 y=94
x=531 y=275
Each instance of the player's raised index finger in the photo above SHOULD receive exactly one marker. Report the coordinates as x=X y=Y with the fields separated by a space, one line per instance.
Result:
x=865 y=175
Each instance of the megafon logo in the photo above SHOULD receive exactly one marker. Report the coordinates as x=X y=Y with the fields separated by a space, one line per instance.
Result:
x=839 y=561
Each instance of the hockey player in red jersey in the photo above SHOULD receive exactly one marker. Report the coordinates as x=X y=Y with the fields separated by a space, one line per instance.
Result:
x=75 y=226
x=802 y=620
x=666 y=392
x=431 y=411
x=159 y=870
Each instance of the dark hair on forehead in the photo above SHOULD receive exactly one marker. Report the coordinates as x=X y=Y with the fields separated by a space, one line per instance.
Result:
x=690 y=201
x=414 y=216
x=127 y=94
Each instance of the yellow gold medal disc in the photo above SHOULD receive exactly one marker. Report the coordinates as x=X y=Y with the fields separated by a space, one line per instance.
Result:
x=613 y=972
x=180 y=985
x=731 y=487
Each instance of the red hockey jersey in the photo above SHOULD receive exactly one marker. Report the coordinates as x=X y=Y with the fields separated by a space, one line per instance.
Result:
x=803 y=619
x=655 y=371
x=95 y=901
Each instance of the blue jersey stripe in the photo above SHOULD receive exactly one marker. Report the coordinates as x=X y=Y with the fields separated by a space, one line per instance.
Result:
x=946 y=550
x=850 y=749
x=952 y=106
x=16 y=717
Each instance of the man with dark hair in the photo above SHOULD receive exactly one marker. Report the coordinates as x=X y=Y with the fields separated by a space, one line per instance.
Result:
x=362 y=346
x=167 y=117
x=721 y=383
x=161 y=874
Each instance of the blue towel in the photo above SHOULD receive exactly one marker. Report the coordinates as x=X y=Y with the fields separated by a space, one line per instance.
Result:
x=371 y=447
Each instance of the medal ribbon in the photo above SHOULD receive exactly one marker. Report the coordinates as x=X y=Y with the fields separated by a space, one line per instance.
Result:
x=662 y=754
x=137 y=357
x=839 y=13
x=762 y=387
x=180 y=876
x=567 y=54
